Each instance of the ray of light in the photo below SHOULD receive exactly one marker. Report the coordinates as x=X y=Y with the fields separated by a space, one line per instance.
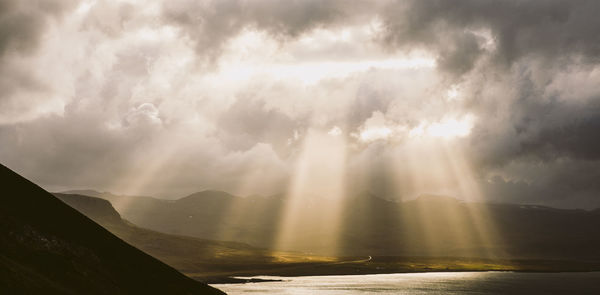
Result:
x=417 y=229
x=315 y=197
x=249 y=217
x=140 y=176
x=480 y=216
x=442 y=227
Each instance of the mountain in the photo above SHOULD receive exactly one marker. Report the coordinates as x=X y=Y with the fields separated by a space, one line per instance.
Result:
x=86 y=192
x=99 y=210
x=216 y=261
x=47 y=247
x=444 y=226
x=369 y=225
x=226 y=217
x=194 y=256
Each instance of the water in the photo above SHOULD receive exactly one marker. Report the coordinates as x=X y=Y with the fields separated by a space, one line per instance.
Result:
x=426 y=283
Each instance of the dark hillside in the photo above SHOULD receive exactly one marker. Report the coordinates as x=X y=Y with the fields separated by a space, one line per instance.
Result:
x=47 y=247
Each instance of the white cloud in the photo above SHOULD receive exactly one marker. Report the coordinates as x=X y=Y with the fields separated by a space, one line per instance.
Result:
x=335 y=131
x=144 y=114
x=445 y=128
x=375 y=133
x=375 y=128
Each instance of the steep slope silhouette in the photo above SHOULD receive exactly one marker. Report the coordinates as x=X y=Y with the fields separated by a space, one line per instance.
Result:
x=47 y=247
x=187 y=254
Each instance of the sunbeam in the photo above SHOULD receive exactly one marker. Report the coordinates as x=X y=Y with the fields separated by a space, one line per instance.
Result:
x=306 y=137
x=315 y=198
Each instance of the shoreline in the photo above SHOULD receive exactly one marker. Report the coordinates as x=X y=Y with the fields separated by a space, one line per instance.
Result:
x=255 y=278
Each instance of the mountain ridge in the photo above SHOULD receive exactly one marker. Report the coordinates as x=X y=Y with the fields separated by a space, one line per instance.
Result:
x=49 y=247
x=402 y=227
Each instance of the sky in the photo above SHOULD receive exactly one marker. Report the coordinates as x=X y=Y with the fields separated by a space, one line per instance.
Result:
x=476 y=99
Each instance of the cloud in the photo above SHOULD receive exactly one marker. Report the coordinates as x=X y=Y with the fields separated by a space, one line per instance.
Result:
x=249 y=120
x=22 y=26
x=144 y=114
x=460 y=32
x=335 y=131
x=564 y=183
x=525 y=67
x=374 y=128
x=223 y=94
x=210 y=24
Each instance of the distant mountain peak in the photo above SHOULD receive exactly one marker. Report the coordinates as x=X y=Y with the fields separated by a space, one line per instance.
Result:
x=436 y=198
x=84 y=192
x=208 y=194
x=99 y=210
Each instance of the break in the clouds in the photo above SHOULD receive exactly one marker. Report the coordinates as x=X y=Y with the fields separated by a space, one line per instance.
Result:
x=495 y=100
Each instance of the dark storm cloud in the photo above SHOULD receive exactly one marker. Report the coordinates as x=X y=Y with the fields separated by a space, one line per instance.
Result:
x=22 y=25
x=560 y=32
x=565 y=183
x=540 y=125
x=45 y=140
x=534 y=65
x=209 y=24
x=560 y=130
x=557 y=147
x=549 y=29
x=248 y=121
x=368 y=100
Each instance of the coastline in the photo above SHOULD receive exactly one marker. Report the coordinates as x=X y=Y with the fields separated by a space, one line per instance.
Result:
x=393 y=265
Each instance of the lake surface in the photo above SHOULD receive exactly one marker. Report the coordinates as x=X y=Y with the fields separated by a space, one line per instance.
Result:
x=426 y=283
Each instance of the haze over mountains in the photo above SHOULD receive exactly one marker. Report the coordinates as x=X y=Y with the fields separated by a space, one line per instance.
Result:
x=369 y=225
x=46 y=247
x=200 y=258
x=336 y=137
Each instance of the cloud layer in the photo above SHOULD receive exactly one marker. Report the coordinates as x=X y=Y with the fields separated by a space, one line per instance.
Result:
x=417 y=96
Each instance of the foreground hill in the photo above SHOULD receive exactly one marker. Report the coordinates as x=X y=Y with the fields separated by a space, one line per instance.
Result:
x=47 y=247
x=369 y=225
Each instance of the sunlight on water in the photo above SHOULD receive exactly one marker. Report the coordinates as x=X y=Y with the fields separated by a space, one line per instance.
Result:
x=426 y=283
